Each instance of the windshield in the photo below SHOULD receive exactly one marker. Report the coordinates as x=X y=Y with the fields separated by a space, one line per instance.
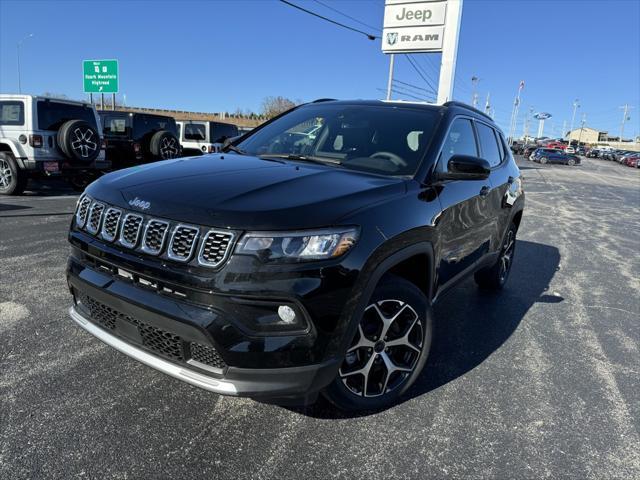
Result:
x=387 y=140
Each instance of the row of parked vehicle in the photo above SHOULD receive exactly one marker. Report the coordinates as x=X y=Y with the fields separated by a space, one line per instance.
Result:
x=629 y=158
x=43 y=137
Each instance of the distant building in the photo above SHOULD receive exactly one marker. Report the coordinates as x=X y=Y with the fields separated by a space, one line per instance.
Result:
x=588 y=135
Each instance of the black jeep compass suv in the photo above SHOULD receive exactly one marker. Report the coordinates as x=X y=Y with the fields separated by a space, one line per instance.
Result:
x=306 y=257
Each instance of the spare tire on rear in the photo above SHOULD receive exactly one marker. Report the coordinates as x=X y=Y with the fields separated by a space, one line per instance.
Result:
x=79 y=141
x=164 y=145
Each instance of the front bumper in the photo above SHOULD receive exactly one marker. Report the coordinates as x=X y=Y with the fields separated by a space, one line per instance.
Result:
x=283 y=383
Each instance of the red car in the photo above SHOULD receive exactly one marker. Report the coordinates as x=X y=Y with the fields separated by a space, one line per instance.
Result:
x=632 y=160
x=556 y=145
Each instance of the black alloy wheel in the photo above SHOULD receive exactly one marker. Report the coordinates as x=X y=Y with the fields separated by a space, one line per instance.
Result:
x=388 y=350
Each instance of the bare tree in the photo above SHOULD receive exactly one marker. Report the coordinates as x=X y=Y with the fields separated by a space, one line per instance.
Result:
x=272 y=106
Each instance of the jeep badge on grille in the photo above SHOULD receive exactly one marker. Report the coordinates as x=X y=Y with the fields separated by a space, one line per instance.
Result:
x=141 y=204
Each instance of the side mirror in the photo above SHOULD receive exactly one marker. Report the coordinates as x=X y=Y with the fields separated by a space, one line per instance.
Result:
x=466 y=167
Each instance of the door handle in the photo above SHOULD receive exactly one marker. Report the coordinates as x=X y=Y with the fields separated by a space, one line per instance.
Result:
x=484 y=191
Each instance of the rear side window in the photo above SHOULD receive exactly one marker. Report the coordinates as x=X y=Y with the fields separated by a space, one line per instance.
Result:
x=221 y=131
x=145 y=124
x=115 y=126
x=489 y=144
x=51 y=115
x=195 y=131
x=460 y=141
x=11 y=113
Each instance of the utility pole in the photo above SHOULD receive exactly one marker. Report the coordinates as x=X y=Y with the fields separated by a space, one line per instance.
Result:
x=474 y=98
x=584 y=120
x=625 y=117
x=527 y=119
x=487 y=105
x=576 y=105
x=18 y=45
x=564 y=128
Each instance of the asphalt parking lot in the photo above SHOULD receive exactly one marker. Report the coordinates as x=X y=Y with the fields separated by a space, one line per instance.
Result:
x=539 y=381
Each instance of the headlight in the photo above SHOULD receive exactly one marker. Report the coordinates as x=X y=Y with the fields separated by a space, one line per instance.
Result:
x=298 y=246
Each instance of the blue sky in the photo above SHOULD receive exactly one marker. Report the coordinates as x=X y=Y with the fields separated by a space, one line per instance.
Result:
x=224 y=55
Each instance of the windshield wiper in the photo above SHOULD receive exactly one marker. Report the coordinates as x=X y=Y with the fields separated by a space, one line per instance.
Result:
x=234 y=149
x=302 y=158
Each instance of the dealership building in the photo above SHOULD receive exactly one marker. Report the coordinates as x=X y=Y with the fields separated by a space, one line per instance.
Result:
x=589 y=135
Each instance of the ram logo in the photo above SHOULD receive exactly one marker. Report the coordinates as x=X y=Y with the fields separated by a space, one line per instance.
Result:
x=141 y=204
x=392 y=38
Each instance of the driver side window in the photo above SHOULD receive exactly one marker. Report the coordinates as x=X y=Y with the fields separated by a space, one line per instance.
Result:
x=460 y=141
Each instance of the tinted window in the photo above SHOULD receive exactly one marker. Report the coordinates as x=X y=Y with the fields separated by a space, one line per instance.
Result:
x=51 y=115
x=11 y=113
x=195 y=131
x=388 y=140
x=489 y=144
x=460 y=141
x=178 y=130
x=145 y=124
x=114 y=125
x=221 y=131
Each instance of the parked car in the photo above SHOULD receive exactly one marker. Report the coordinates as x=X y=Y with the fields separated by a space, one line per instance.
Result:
x=556 y=145
x=200 y=137
x=528 y=151
x=133 y=138
x=43 y=137
x=570 y=150
x=631 y=159
x=279 y=270
x=548 y=155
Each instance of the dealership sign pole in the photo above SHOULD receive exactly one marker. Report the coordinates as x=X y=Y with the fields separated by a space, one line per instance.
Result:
x=424 y=27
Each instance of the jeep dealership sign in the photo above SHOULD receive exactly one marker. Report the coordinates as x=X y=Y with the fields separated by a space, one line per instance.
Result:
x=413 y=26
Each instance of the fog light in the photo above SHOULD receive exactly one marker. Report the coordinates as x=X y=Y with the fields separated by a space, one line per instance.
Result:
x=286 y=314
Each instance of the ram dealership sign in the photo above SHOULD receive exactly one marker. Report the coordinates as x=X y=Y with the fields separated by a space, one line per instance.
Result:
x=413 y=26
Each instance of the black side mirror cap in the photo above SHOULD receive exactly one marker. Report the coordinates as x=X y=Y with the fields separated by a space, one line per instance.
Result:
x=465 y=167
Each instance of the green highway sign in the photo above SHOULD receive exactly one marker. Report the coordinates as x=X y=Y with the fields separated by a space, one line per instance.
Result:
x=100 y=76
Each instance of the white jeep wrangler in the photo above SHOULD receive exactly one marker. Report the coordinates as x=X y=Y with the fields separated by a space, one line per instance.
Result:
x=198 y=137
x=43 y=137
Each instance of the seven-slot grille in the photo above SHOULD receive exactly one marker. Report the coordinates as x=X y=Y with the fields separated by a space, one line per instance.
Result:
x=151 y=235
x=215 y=248
x=95 y=215
x=110 y=224
x=83 y=211
x=154 y=234
x=183 y=241
x=130 y=230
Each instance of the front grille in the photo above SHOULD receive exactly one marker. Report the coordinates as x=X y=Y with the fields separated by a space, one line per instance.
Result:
x=83 y=211
x=215 y=247
x=207 y=355
x=95 y=215
x=158 y=340
x=130 y=230
x=154 y=234
x=110 y=224
x=183 y=242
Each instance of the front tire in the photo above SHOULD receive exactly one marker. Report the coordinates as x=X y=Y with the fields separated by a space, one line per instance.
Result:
x=544 y=160
x=495 y=277
x=388 y=351
x=13 y=181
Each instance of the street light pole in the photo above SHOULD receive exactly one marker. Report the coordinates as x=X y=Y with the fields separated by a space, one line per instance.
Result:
x=19 y=44
x=576 y=105
x=584 y=120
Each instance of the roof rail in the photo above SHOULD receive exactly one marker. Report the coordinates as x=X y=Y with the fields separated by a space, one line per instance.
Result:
x=468 y=107
x=320 y=100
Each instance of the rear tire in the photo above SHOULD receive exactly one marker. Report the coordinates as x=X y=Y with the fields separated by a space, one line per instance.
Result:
x=495 y=277
x=571 y=162
x=543 y=160
x=13 y=180
x=389 y=350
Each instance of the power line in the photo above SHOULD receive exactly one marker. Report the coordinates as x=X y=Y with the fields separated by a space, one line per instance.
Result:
x=346 y=16
x=425 y=96
x=422 y=99
x=410 y=60
x=368 y=35
x=426 y=74
x=411 y=85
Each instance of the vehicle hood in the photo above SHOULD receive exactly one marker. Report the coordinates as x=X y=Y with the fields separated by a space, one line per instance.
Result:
x=244 y=192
